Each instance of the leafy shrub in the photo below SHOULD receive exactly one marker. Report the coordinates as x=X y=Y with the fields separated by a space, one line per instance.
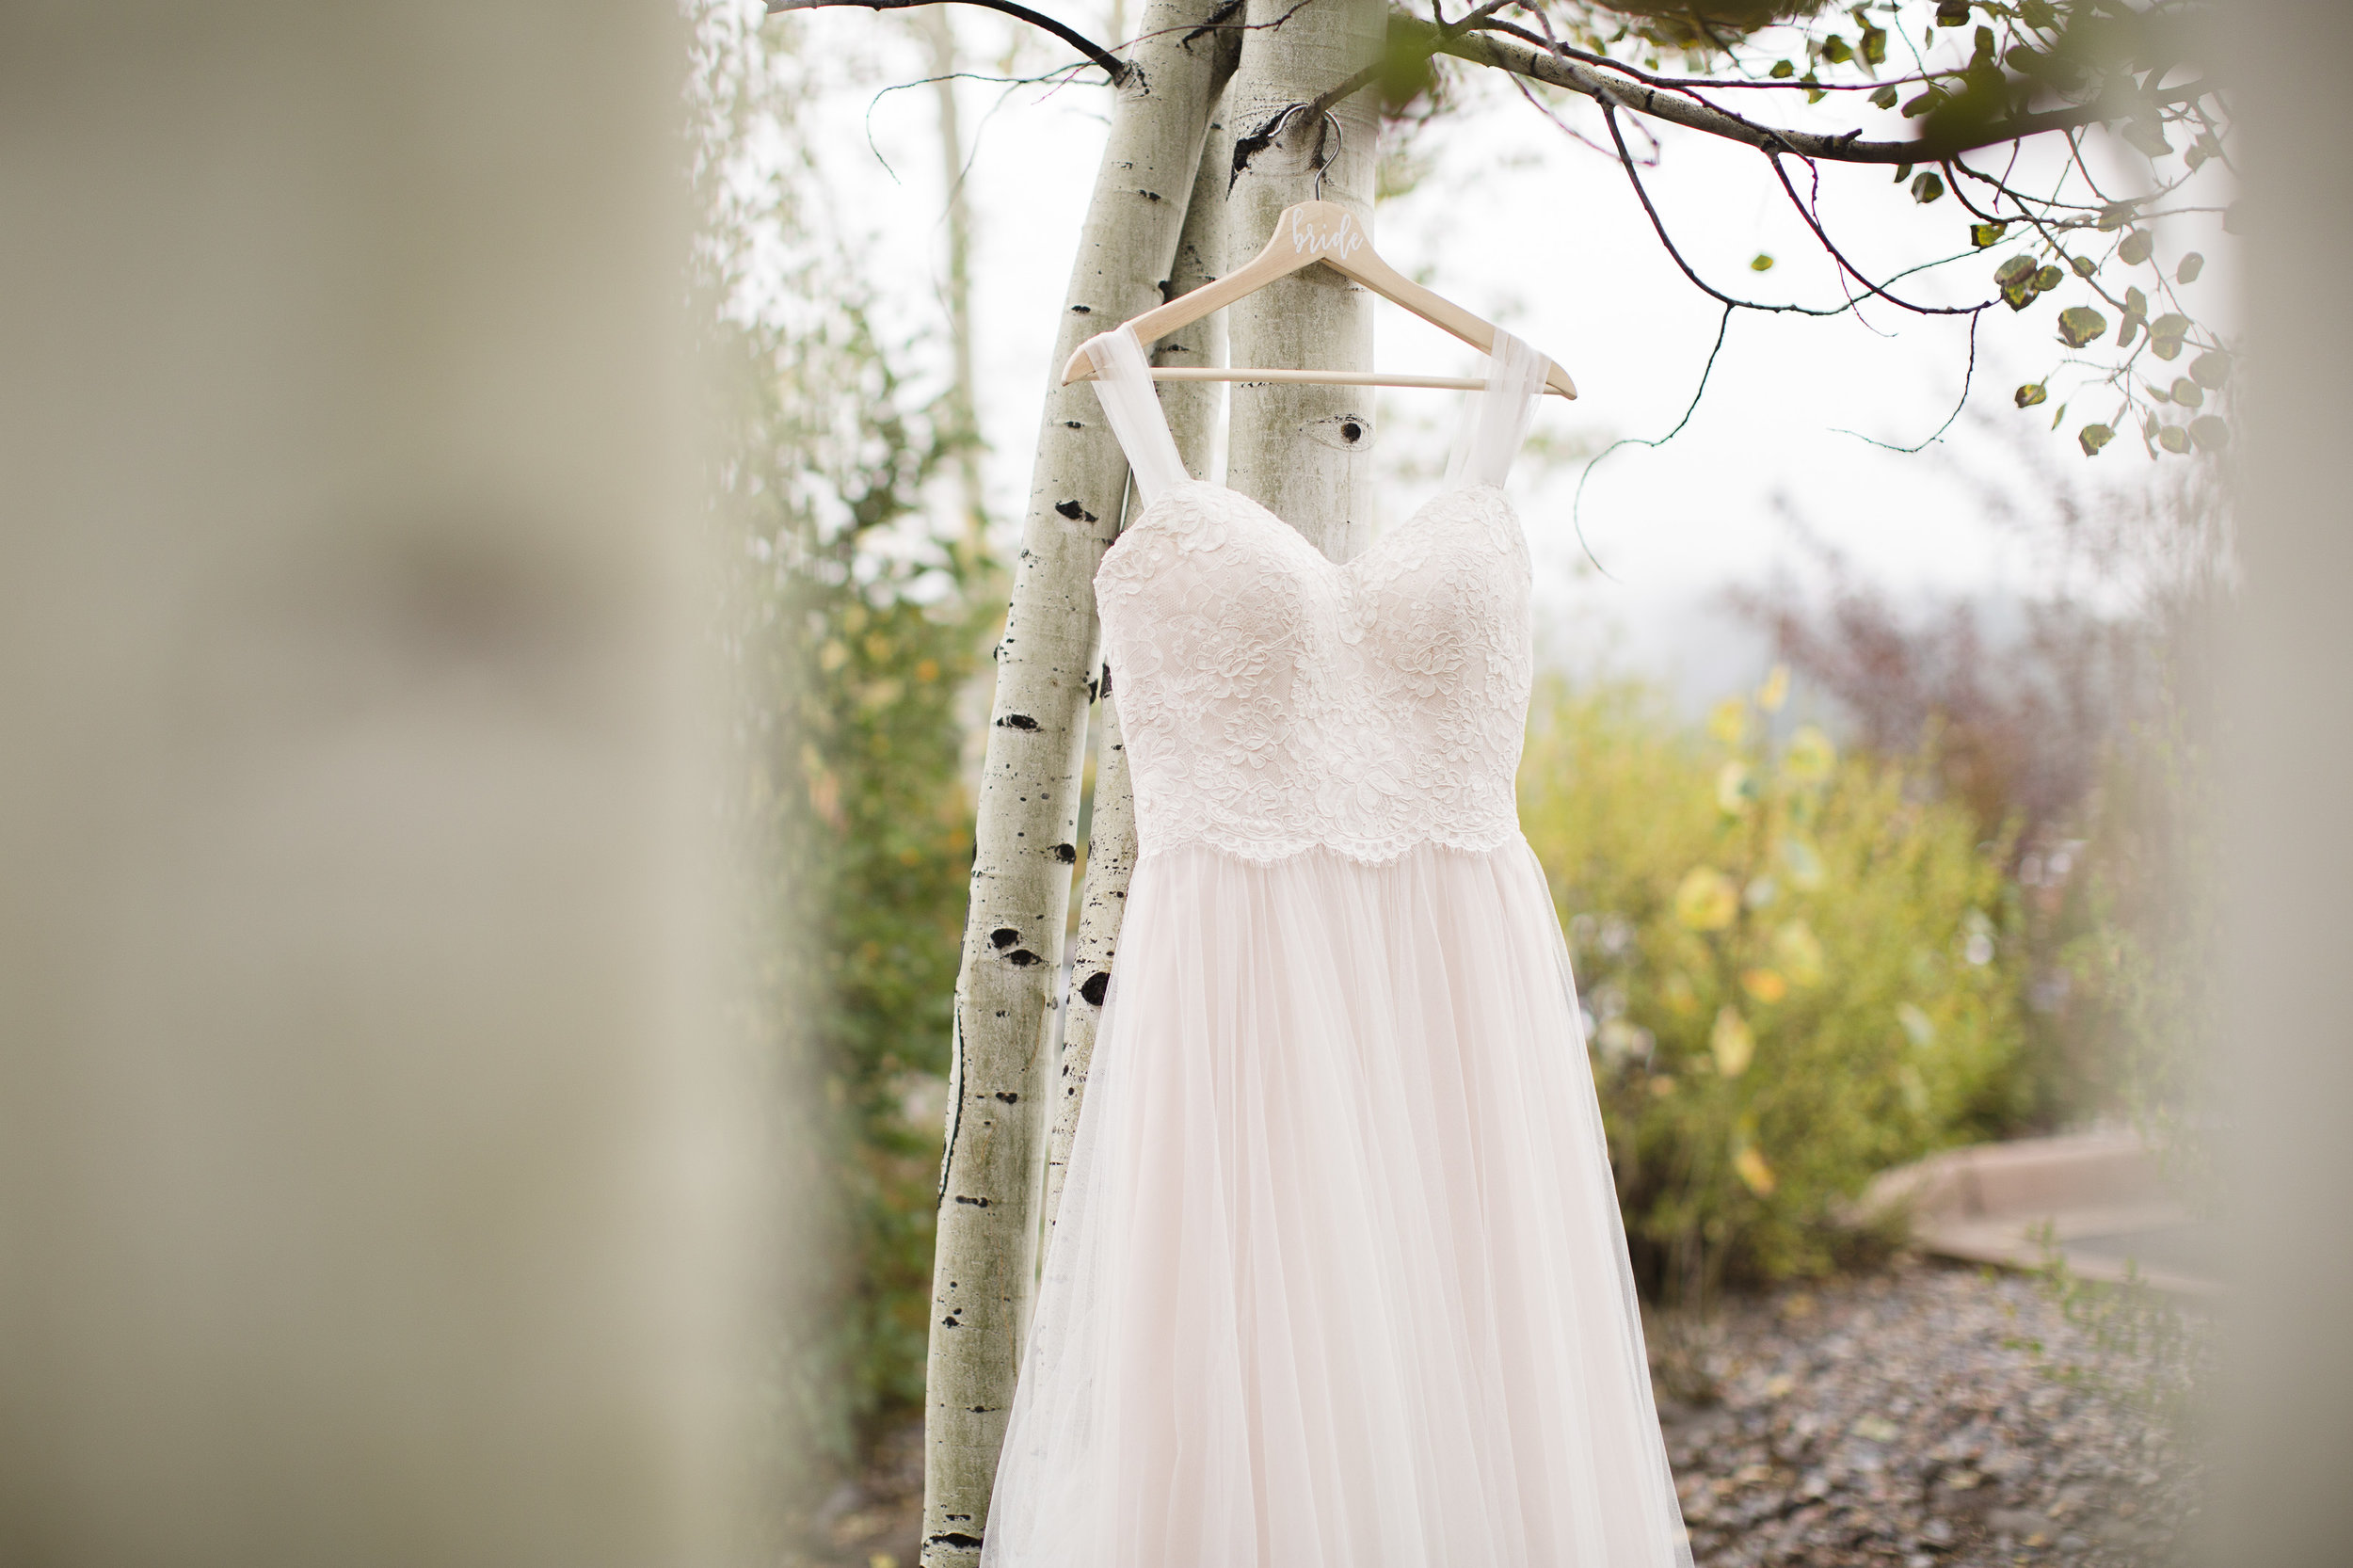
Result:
x=1797 y=969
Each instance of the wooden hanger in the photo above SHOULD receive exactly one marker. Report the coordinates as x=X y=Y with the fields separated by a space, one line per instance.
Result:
x=1305 y=233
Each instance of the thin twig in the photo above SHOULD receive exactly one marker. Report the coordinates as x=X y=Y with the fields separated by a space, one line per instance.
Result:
x=1967 y=376
x=1577 y=503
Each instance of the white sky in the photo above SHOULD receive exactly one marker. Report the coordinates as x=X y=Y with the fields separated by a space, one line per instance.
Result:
x=1518 y=222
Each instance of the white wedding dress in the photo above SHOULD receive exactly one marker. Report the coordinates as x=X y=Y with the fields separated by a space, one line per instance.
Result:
x=1338 y=1279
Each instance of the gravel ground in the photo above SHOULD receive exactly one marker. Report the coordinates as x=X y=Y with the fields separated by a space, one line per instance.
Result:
x=1919 y=1417
x=1927 y=1415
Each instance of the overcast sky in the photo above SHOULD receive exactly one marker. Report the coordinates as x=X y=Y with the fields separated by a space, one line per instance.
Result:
x=1520 y=223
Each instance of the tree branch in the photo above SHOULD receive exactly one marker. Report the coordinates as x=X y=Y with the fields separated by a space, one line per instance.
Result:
x=1112 y=66
x=1679 y=108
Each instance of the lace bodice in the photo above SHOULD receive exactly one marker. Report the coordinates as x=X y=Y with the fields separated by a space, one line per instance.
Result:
x=1275 y=701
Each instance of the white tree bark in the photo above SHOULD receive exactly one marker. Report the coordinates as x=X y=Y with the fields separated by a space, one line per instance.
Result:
x=1304 y=451
x=1025 y=838
x=1192 y=409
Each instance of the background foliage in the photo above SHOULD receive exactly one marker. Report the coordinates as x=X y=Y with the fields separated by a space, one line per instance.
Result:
x=1799 y=969
x=854 y=626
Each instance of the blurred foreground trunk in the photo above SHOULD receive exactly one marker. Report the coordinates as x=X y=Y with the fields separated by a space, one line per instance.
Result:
x=2287 y=1383
x=372 y=1179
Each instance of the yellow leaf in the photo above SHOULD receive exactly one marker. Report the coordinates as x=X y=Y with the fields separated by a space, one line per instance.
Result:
x=1732 y=1042
x=1775 y=691
x=1707 y=900
x=1730 y=721
x=1755 y=1174
x=1800 y=952
x=1766 y=986
x=1811 y=757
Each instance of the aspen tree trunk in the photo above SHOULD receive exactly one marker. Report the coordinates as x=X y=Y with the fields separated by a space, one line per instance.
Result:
x=1027 y=828
x=1192 y=409
x=1302 y=452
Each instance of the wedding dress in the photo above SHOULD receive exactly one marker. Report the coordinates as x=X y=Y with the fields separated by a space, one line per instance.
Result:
x=1338 y=1279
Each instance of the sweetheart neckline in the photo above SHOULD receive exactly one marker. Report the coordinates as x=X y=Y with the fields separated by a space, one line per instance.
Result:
x=1145 y=518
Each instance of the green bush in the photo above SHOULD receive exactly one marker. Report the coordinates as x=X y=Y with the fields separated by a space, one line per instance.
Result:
x=1798 y=970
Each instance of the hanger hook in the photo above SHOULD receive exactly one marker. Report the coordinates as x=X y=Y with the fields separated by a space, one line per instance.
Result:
x=1334 y=121
x=1281 y=122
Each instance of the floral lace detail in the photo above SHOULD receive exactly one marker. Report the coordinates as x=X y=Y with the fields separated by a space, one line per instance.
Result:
x=1275 y=702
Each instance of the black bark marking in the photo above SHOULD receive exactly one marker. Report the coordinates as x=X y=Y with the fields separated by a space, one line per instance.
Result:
x=977 y=1203
x=1351 y=431
x=1021 y=958
x=1093 y=988
x=1075 y=512
x=1105 y=684
x=1009 y=1097
x=1149 y=195
x=1073 y=424
x=1066 y=854
x=1017 y=721
x=1082 y=309
x=1003 y=936
x=954 y=1537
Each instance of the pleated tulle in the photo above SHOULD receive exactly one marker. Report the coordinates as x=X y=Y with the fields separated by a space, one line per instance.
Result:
x=1338 y=1279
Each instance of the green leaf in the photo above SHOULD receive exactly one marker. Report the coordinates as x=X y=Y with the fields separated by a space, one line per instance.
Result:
x=2187 y=392
x=1927 y=102
x=2212 y=368
x=2174 y=438
x=2079 y=324
x=2136 y=303
x=2166 y=334
x=2038 y=14
x=1952 y=13
x=1836 y=50
x=2057 y=414
x=2149 y=137
x=1903 y=172
x=1927 y=188
x=2048 y=278
x=1985 y=45
x=2091 y=438
x=1781 y=70
x=2085 y=266
x=1984 y=234
x=1874 y=46
x=2159 y=394
x=2115 y=215
x=1815 y=92
x=2015 y=279
x=1885 y=97
x=2211 y=433
x=1761 y=264
x=2192 y=264
x=2032 y=394
x=2136 y=247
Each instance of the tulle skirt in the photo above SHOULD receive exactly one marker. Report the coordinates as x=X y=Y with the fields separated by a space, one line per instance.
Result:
x=1338 y=1279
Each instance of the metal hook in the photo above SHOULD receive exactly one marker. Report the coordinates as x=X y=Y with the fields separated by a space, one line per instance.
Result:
x=1281 y=122
x=1334 y=121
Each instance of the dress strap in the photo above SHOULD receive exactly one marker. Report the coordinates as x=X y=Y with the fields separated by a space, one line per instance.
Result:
x=1123 y=380
x=1494 y=421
